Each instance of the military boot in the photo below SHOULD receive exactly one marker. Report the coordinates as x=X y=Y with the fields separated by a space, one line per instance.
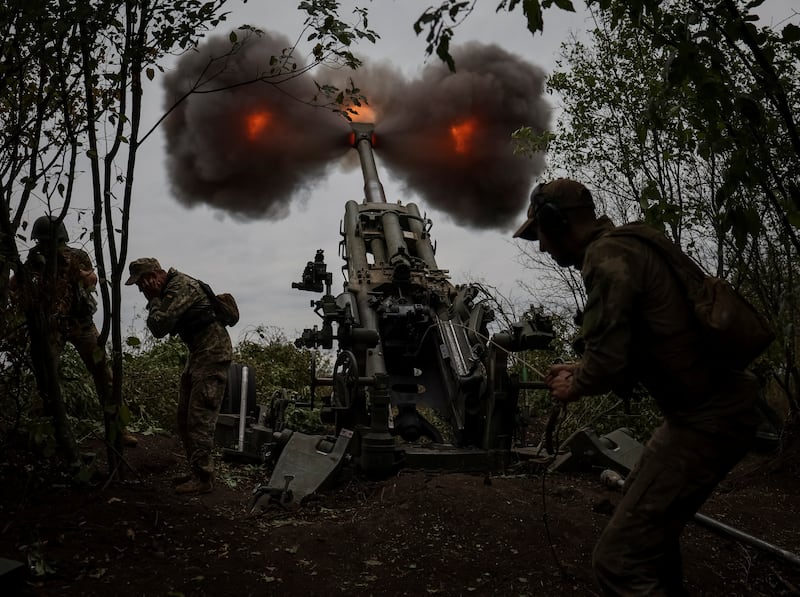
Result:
x=195 y=486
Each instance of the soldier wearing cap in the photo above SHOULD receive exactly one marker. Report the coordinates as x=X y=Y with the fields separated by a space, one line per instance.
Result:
x=68 y=287
x=638 y=327
x=177 y=305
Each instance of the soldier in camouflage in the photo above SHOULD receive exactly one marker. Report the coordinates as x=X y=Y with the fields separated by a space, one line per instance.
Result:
x=638 y=327
x=178 y=305
x=69 y=290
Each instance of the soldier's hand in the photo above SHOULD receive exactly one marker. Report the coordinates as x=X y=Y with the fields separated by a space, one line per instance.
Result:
x=149 y=287
x=557 y=368
x=559 y=380
x=88 y=278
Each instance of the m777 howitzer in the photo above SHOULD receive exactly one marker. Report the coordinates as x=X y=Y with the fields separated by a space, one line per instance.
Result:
x=408 y=338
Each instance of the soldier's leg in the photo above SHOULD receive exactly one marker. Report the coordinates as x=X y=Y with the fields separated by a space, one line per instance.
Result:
x=55 y=341
x=84 y=337
x=208 y=388
x=184 y=396
x=638 y=552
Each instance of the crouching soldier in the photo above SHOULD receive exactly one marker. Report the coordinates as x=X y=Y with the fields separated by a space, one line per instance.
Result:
x=177 y=305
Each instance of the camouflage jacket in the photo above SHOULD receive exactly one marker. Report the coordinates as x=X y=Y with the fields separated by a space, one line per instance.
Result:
x=69 y=299
x=184 y=309
x=638 y=327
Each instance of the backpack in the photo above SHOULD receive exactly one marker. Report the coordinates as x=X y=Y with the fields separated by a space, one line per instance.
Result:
x=733 y=326
x=225 y=307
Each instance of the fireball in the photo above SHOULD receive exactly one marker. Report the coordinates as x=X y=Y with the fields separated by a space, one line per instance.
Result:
x=256 y=123
x=463 y=135
x=362 y=113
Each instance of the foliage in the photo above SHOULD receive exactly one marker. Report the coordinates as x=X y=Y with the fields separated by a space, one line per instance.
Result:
x=667 y=117
x=150 y=386
x=153 y=369
x=79 y=391
x=151 y=382
x=22 y=412
x=645 y=146
x=441 y=21
x=603 y=413
x=278 y=363
x=731 y=85
x=305 y=420
x=16 y=385
x=71 y=97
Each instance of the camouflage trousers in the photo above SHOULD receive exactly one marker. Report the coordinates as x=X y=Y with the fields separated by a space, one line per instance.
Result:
x=201 y=393
x=638 y=552
x=83 y=336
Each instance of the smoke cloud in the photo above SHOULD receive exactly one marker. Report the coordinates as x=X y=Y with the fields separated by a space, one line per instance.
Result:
x=448 y=135
x=247 y=148
x=251 y=149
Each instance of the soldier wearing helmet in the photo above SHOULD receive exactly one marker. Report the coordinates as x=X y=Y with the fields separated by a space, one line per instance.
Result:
x=49 y=229
x=64 y=277
x=638 y=327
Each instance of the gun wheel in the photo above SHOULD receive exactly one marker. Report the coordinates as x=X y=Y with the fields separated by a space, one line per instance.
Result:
x=345 y=380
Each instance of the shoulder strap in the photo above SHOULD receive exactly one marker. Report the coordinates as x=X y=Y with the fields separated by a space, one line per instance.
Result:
x=684 y=266
x=207 y=289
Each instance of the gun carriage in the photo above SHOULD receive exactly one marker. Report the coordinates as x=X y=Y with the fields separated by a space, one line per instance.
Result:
x=409 y=342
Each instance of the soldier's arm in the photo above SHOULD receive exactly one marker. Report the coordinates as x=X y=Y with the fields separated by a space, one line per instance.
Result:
x=88 y=278
x=83 y=263
x=612 y=287
x=165 y=310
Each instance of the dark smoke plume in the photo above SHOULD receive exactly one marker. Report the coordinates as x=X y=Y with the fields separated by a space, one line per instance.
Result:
x=492 y=94
x=248 y=149
x=445 y=135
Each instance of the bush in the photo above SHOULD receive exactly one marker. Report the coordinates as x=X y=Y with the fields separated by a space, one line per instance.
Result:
x=153 y=371
x=279 y=364
x=151 y=378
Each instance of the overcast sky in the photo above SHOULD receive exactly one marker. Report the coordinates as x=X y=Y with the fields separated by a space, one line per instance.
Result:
x=257 y=259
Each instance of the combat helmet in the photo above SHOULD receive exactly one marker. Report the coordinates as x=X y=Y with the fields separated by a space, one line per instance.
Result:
x=45 y=229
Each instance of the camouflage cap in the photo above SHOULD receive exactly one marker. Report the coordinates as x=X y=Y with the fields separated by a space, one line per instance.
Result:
x=140 y=267
x=563 y=193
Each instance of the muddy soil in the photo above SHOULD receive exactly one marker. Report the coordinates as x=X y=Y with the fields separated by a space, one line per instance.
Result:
x=418 y=532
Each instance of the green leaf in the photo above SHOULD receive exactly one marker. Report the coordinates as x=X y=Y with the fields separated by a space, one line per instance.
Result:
x=565 y=5
x=790 y=33
x=533 y=10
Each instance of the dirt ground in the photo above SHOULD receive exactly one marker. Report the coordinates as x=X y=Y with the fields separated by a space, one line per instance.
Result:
x=416 y=533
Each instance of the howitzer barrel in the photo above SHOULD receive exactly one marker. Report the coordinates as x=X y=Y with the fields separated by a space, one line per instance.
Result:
x=373 y=189
x=378 y=249
x=395 y=245
x=424 y=247
x=357 y=249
